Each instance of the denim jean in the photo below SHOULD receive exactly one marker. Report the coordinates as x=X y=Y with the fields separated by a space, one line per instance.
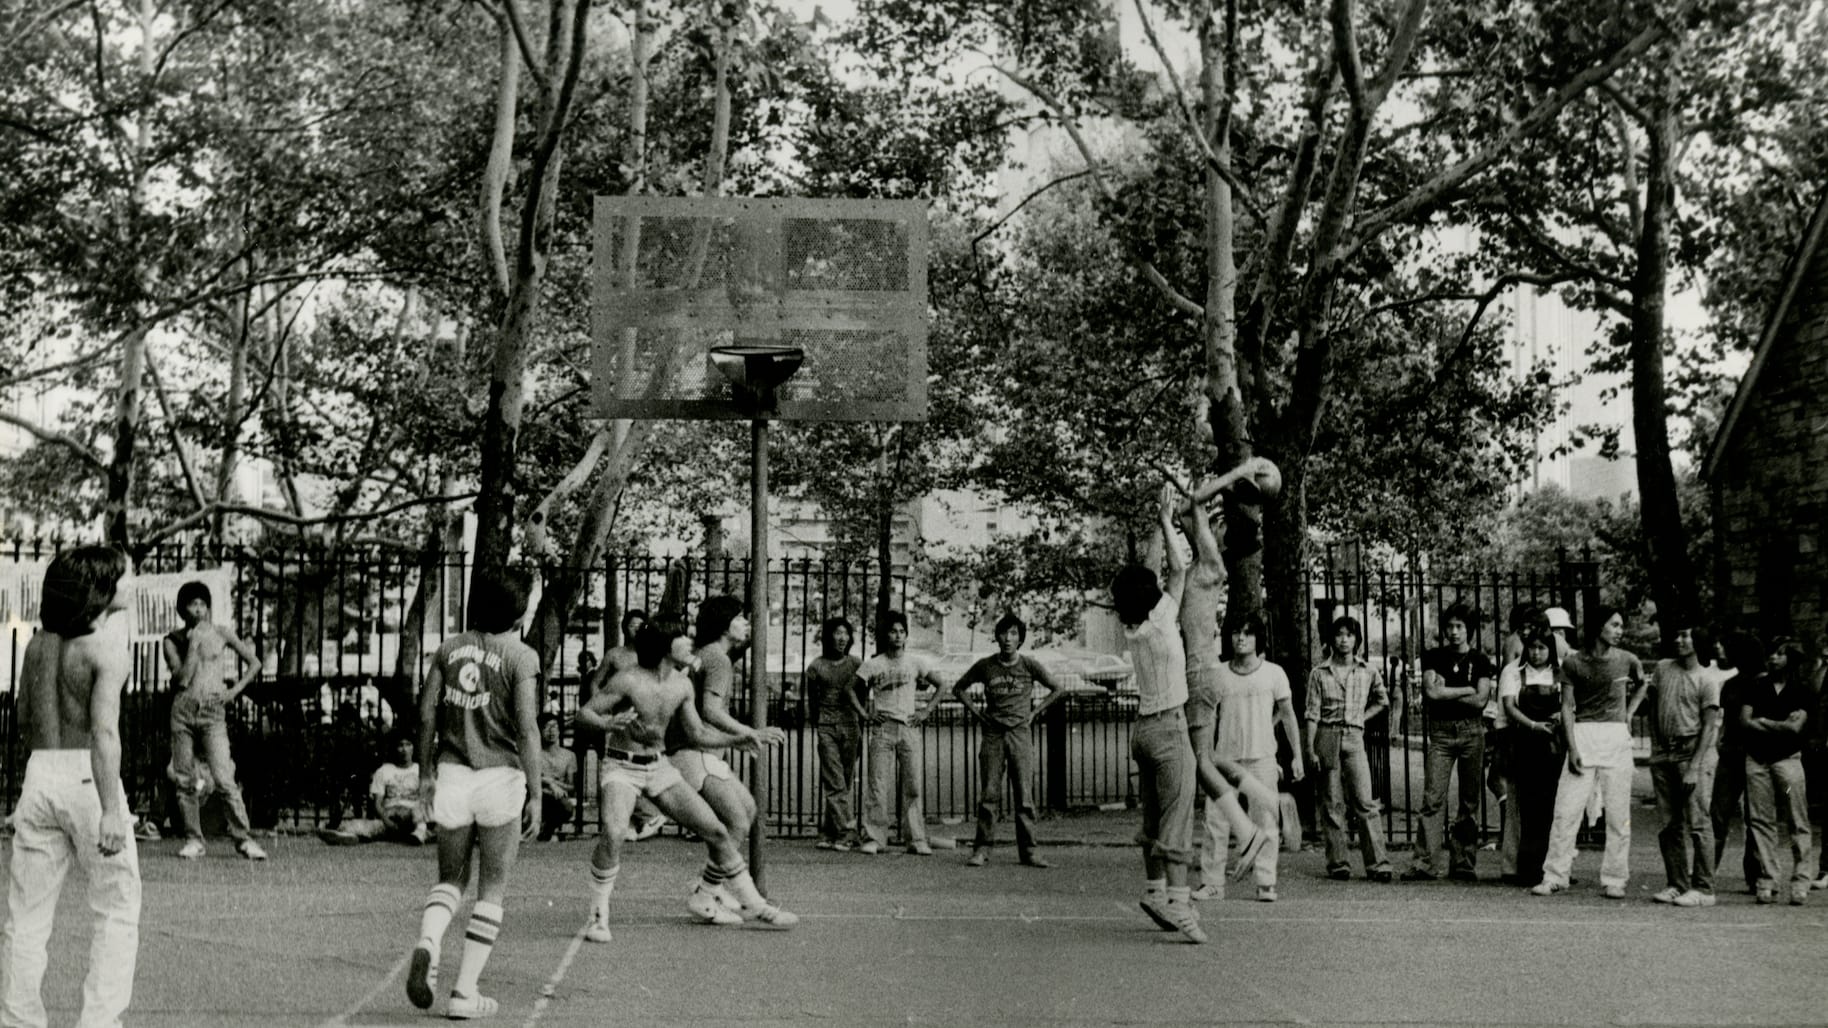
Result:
x=1166 y=780
x=839 y=746
x=1452 y=744
x=1729 y=802
x=1008 y=751
x=203 y=719
x=895 y=767
x=1687 y=838
x=57 y=824
x=1345 y=776
x=1776 y=798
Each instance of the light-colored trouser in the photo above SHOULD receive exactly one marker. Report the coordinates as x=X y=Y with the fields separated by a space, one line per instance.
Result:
x=1266 y=815
x=838 y=748
x=196 y=719
x=1346 y=775
x=1776 y=797
x=57 y=823
x=1687 y=838
x=1165 y=784
x=1571 y=795
x=895 y=762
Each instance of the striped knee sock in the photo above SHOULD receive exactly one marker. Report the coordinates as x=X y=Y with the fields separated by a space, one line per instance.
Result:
x=602 y=883
x=440 y=904
x=478 y=943
x=713 y=876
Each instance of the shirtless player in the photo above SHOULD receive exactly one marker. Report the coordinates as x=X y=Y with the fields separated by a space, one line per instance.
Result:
x=635 y=708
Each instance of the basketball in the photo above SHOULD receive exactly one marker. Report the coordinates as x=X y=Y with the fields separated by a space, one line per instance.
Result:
x=1267 y=478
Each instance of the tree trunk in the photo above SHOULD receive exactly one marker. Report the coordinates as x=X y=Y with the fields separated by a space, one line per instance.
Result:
x=1672 y=580
x=126 y=433
x=1286 y=546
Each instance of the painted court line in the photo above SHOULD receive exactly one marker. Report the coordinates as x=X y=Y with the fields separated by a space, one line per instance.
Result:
x=342 y=1020
x=551 y=987
x=901 y=914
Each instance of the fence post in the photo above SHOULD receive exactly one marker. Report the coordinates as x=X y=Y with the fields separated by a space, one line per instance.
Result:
x=1055 y=725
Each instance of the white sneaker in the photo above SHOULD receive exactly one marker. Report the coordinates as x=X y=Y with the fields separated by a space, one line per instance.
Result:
x=1613 y=892
x=703 y=905
x=463 y=1008
x=1694 y=898
x=251 y=850
x=598 y=929
x=772 y=915
x=1668 y=895
x=1209 y=891
x=728 y=901
x=191 y=850
x=1547 y=889
x=649 y=828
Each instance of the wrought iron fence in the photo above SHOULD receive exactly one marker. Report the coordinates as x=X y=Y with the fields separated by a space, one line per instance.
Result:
x=343 y=637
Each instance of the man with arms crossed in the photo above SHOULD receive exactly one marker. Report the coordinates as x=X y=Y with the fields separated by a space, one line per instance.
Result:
x=198 y=657
x=479 y=768
x=637 y=709
x=891 y=679
x=72 y=807
x=1456 y=682
x=1009 y=678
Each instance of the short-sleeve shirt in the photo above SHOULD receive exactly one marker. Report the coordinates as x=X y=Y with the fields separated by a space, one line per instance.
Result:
x=829 y=684
x=1459 y=670
x=1159 y=658
x=397 y=785
x=476 y=723
x=1247 y=711
x=1767 y=702
x=892 y=681
x=1683 y=695
x=1009 y=689
x=1601 y=685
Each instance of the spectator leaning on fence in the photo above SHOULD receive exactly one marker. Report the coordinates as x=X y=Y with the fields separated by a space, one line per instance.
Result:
x=1456 y=681
x=198 y=657
x=837 y=713
x=891 y=679
x=1343 y=693
x=1604 y=687
x=1685 y=728
x=1149 y=609
x=1774 y=712
x=1007 y=745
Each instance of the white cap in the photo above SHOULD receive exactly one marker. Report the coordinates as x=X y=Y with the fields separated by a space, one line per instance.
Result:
x=1558 y=618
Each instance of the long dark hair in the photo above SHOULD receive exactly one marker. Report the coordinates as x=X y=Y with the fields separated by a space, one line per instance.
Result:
x=78 y=586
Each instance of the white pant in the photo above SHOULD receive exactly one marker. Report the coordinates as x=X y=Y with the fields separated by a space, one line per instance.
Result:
x=1606 y=744
x=58 y=821
x=1217 y=829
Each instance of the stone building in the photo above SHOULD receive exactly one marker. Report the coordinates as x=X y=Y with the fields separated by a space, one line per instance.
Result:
x=1768 y=465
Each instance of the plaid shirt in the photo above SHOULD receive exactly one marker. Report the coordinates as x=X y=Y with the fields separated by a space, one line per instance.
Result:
x=1335 y=699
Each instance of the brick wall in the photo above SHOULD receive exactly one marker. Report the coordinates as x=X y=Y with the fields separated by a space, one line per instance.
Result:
x=1771 y=498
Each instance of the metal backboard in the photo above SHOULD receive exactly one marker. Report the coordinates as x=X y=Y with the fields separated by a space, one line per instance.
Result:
x=843 y=280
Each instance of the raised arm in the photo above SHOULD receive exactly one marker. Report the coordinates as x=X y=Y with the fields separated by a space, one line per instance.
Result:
x=1174 y=563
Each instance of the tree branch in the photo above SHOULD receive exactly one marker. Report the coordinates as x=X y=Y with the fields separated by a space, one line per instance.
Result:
x=1345 y=52
x=293 y=520
x=511 y=13
x=171 y=430
x=1402 y=42
x=82 y=450
x=1219 y=166
x=94 y=356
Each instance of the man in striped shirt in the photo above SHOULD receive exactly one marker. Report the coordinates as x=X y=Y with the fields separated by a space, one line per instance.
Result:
x=1343 y=694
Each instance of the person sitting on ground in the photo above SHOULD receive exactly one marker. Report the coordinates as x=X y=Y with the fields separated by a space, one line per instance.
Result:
x=393 y=799
x=558 y=769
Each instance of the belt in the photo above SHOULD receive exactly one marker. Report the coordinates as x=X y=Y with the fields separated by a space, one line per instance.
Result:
x=1341 y=725
x=1159 y=713
x=631 y=758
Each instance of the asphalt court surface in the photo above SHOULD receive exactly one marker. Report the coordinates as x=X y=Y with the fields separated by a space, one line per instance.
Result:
x=317 y=937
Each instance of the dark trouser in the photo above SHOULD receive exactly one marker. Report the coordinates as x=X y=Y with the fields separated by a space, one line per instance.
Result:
x=1010 y=750
x=1728 y=802
x=839 y=746
x=1452 y=744
x=1536 y=761
x=1687 y=838
x=554 y=813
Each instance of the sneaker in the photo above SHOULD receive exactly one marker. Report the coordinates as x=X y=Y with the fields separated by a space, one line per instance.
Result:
x=1767 y=895
x=1668 y=895
x=1694 y=898
x=920 y=849
x=1383 y=874
x=598 y=929
x=978 y=858
x=843 y=846
x=251 y=850
x=1340 y=874
x=703 y=905
x=1209 y=891
x=1820 y=883
x=1186 y=921
x=825 y=844
x=421 y=835
x=1266 y=894
x=463 y=1008
x=649 y=828
x=871 y=848
x=1799 y=894
x=1547 y=889
x=337 y=837
x=191 y=850
x=421 y=977
x=1036 y=860
x=1463 y=876
x=1247 y=854
x=771 y=915
x=1613 y=892
x=1416 y=874
x=1157 y=909
x=729 y=902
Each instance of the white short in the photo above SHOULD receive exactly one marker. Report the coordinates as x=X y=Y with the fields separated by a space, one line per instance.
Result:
x=490 y=796
x=695 y=766
x=648 y=780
